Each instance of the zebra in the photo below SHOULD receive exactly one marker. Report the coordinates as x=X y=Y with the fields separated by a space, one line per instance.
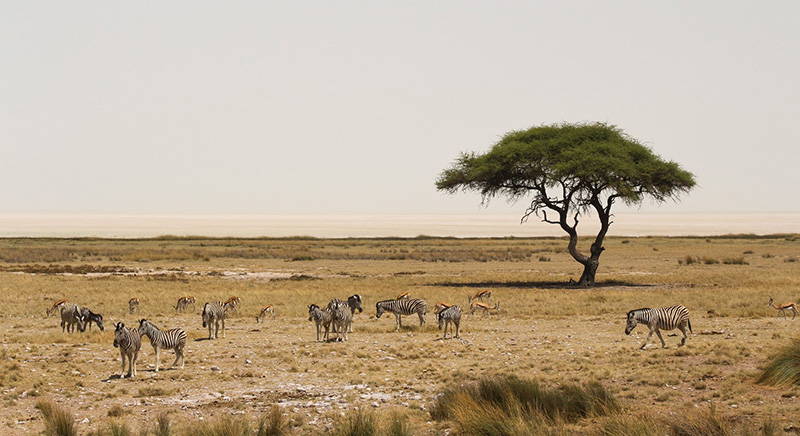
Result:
x=449 y=315
x=321 y=317
x=70 y=316
x=133 y=305
x=214 y=312
x=354 y=301
x=665 y=318
x=90 y=317
x=402 y=307
x=174 y=339
x=129 y=342
x=342 y=314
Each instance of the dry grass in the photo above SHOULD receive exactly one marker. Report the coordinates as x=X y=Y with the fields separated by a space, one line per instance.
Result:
x=547 y=331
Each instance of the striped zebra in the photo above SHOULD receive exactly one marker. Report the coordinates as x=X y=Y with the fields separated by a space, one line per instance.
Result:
x=129 y=343
x=342 y=315
x=214 y=312
x=174 y=339
x=402 y=307
x=70 y=316
x=90 y=317
x=354 y=302
x=447 y=316
x=322 y=318
x=133 y=305
x=665 y=318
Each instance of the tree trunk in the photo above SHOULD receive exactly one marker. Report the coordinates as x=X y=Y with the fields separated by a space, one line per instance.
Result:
x=591 y=263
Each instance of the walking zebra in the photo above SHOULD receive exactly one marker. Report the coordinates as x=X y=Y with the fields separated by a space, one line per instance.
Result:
x=129 y=342
x=402 y=307
x=174 y=339
x=214 y=312
x=71 y=316
x=133 y=305
x=58 y=304
x=90 y=317
x=321 y=317
x=449 y=315
x=342 y=315
x=665 y=318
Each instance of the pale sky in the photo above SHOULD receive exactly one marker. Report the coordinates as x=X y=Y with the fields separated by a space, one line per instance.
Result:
x=356 y=107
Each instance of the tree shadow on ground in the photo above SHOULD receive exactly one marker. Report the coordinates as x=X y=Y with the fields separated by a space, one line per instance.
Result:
x=543 y=285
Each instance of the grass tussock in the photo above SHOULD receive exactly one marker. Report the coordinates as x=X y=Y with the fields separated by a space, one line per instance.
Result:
x=274 y=423
x=58 y=421
x=356 y=423
x=784 y=368
x=511 y=405
x=225 y=426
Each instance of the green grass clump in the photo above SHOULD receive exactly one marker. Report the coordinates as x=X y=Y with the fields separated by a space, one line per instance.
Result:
x=783 y=368
x=511 y=405
x=57 y=420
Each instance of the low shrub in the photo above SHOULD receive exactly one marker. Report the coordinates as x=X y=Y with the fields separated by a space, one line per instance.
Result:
x=783 y=368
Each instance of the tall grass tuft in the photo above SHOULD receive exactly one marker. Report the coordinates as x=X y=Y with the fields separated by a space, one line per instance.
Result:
x=225 y=426
x=356 y=423
x=783 y=368
x=163 y=425
x=57 y=420
x=511 y=405
x=273 y=423
x=120 y=428
x=704 y=422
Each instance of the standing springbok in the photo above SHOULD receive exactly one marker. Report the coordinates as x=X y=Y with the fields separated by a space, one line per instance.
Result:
x=60 y=303
x=133 y=305
x=486 y=293
x=782 y=308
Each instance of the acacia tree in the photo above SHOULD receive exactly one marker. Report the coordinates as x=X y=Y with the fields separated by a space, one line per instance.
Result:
x=569 y=170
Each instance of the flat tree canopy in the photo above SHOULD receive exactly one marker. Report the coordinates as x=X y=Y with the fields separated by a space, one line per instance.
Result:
x=569 y=170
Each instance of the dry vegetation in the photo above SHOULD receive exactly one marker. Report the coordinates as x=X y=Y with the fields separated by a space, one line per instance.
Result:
x=272 y=378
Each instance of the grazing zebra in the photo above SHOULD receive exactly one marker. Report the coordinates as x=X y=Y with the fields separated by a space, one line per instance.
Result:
x=665 y=318
x=487 y=293
x=214 y=312
x=342 y=315
x=129 y=342
x=440 y=306
x=402 y=307
x=174 y=339
x=70 y=316
x=782 y=308
x=90 y=317
x=269 y=308
x=322 y=318
x=449 y=315
x=404 y=296
x=133 y=305
x=475 y=305
x=60 y=303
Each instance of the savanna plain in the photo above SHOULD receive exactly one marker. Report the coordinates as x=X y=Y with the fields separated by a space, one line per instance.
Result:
x=554 y=359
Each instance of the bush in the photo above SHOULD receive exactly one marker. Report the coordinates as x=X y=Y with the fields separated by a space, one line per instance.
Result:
x=356 y=423
x=273 y=423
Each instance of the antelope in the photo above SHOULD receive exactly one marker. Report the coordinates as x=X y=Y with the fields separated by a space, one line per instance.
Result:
x=782 y=308
x=486 y=293
x=404 y=295
x=475 y=305
x=267 y=309
x=440 y=306
x=60 y=303
x=133 y=305
x=232 y=303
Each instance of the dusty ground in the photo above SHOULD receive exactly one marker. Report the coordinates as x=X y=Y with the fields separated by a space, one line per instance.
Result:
x=555 y=335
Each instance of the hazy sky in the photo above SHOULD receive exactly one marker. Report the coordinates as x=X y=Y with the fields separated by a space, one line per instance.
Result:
x=342 y=106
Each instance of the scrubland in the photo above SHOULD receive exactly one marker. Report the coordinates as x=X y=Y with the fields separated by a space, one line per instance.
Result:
x=549 y=338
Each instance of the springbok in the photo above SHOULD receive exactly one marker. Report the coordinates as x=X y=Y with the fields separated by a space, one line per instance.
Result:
x=476 y=305
x=782 y=308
